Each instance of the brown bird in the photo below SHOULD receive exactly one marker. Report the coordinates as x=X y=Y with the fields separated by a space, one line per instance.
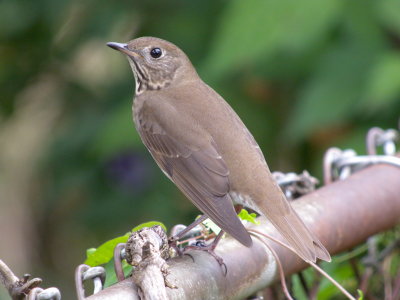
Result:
x=201 y=144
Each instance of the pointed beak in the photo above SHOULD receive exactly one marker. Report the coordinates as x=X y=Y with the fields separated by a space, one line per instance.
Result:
x=122 y=48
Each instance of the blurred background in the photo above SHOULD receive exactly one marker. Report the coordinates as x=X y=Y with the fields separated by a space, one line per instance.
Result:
x=303 y=76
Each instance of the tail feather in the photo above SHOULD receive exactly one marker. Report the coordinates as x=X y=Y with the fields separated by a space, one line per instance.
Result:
x=299 y=237
x=321 y=251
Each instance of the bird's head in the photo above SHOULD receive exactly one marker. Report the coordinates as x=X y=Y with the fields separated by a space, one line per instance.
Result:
x=155 y=63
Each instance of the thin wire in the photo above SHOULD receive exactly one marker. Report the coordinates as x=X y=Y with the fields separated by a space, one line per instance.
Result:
x=340 y=287
x=280 y=268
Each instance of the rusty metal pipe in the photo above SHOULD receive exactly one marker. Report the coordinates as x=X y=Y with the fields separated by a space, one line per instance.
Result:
x=342 y=214
x=345 y=213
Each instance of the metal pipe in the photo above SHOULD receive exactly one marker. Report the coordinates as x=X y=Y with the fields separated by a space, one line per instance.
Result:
x=342 y=214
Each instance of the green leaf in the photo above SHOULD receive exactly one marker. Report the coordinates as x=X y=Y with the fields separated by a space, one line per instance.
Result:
x=105 y=252
x=212 y=226
x=149 y=224
x=244 y=215
x=360 y=295
x=90 y=251
x=297 y=287
x=343 y=273
x=111 y=277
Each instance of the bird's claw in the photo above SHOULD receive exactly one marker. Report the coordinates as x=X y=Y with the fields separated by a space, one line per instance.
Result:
x=210 y=249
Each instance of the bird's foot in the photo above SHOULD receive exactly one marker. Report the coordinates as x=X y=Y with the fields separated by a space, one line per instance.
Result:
x=200 y=245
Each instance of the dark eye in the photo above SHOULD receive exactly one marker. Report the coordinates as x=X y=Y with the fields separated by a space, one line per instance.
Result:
x=155 y=52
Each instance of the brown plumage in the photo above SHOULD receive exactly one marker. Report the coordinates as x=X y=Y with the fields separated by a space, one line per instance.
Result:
x=204 y=148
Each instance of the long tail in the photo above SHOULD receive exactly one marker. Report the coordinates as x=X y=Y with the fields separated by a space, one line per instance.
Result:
x=306 y=244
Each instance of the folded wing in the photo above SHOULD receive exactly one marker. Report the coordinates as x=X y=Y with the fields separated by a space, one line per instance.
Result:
x=192 y=162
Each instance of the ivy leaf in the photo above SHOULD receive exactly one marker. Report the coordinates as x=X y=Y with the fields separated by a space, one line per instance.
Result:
x=212 y=226
x=105 y=252
x=90 y=251
x=244 y=215
x=111 y=277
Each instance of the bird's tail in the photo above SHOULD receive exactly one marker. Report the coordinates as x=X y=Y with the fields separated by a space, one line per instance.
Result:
x=299 y=237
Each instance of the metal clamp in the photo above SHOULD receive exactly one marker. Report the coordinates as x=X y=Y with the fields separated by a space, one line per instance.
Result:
x=47 y=294
x=84 y=273
x=377 y=137
x=295 y=185
x=119 y=255
x=341 y=164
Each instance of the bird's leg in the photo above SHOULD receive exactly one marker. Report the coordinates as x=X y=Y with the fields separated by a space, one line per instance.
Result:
x=210 y=249
x=172 y=241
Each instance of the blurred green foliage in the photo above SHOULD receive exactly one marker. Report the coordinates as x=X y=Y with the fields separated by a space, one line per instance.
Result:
x=303 y=75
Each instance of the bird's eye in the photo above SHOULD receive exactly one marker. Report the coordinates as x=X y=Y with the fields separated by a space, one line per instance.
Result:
x=156 y=52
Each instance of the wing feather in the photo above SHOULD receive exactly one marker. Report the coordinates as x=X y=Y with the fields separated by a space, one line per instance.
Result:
x=198 y=170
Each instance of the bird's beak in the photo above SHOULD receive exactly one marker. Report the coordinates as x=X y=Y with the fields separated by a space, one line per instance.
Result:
x=123 y=48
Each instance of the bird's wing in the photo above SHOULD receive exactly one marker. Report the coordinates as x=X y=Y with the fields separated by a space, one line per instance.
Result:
x=189 y=157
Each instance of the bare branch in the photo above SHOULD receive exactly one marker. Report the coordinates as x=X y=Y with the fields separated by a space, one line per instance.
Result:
x=7 y=277
x=17 y=288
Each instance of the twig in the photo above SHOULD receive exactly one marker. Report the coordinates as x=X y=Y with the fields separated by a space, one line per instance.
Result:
x=17 y=288
x=281 y=272
x=7 y=277
x=315 y=266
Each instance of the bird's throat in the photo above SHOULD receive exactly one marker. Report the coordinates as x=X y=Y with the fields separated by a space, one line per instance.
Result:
x=145 y=82
x=140 y=76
